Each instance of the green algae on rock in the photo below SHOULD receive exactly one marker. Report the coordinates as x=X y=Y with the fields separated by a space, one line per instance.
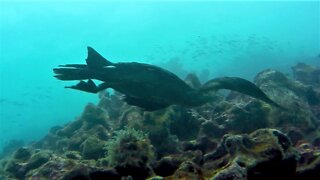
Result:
x=130 y=152
x=129 y=147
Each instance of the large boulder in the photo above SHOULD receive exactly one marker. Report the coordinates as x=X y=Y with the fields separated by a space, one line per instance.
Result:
x=263 y=154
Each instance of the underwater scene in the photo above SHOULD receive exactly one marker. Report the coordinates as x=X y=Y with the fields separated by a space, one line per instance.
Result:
x=134 y=90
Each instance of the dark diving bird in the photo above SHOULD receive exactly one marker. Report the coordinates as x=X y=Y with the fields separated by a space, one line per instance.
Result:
x=147 y=86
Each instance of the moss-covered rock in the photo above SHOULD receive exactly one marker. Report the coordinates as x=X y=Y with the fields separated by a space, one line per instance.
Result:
x=73 y=155
x=10 y=147
x=130 y=152
x=22 y=154
x=92 y=148
x=203 y=144
x=38 y=159
x=93 y=115
x=129 y=147
x=263 y=153
x=188 y=170
x=15 y=169
x=156 y=125
x=306 y=74
x=61 y=168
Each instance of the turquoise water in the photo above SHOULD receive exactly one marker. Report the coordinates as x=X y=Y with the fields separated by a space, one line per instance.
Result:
x=209 y=38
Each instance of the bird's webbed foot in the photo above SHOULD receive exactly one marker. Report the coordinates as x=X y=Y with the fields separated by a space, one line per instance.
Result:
x=88 y=86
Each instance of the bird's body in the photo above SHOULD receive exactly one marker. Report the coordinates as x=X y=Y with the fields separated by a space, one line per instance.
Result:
x=147 y=86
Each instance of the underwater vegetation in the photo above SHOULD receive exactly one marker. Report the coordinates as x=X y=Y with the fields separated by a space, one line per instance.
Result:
x=232 y=137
